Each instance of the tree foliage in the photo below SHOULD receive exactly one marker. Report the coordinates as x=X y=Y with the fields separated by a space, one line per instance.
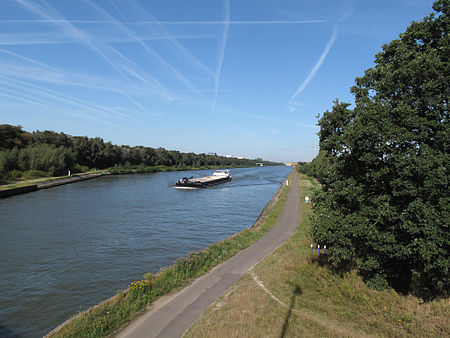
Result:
x=384 y=203
x=50 y=153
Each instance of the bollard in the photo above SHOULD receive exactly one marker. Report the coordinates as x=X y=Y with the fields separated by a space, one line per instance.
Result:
x=318 y=249
x=311 y=249
x=324 y=248
x=306 y=199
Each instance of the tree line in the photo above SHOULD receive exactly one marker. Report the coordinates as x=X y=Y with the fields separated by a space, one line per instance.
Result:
x=48 y=153
x=384 y=205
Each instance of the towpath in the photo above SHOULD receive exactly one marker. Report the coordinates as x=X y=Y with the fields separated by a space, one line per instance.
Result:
x=172 y=315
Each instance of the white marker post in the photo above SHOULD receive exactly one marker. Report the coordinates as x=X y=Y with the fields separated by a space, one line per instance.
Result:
x=324 y=248
x=311 y=249
x=318 y=249
x=306 y=199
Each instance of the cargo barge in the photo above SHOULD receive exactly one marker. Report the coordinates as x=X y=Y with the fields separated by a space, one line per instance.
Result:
x=219 y=176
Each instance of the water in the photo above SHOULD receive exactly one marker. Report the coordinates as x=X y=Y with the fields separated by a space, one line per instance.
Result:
x=67 y=248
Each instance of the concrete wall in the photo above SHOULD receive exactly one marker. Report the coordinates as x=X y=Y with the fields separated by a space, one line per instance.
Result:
x=18 y=191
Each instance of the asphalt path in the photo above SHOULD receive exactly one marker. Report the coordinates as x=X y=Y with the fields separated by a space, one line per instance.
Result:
x=171 y=316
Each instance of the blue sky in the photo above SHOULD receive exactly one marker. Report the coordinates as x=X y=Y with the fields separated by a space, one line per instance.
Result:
x=240 y=77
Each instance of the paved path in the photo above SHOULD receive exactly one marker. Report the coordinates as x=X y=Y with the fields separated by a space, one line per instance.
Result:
x=171 y=316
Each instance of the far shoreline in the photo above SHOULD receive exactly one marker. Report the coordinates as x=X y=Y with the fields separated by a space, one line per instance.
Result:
x=23 y=187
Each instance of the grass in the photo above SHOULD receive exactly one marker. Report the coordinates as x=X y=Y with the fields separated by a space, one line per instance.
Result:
x=297 y=297
x=109 y=316
x=24 y=183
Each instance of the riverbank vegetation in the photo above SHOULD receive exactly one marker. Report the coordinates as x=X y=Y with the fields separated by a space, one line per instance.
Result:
x=25 y=155
x=111 y=315
x=292 y=294
x=384 y=206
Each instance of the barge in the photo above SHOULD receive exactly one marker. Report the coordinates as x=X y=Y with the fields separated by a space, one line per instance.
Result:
x=219 y=176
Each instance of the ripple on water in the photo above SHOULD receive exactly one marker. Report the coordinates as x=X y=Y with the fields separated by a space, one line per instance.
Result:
x=70 y=247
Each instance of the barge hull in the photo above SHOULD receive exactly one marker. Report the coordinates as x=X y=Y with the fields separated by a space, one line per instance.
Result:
x=203 y=182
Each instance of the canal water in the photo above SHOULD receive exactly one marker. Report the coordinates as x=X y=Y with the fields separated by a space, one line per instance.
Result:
x=67 y=248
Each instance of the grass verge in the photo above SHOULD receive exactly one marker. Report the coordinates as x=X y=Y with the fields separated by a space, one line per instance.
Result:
x=19 y=184
x=110 y=315
x=290 y=294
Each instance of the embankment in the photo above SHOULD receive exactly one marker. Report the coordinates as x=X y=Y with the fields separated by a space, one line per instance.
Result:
x=291 y=293
x=18 y=191
x=109 y=316
x=67 y=180
x=47 y=184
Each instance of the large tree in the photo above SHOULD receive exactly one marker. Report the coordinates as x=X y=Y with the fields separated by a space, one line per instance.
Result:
x=384 y=205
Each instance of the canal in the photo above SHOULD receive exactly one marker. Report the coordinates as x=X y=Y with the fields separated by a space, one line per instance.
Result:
x=67 y=248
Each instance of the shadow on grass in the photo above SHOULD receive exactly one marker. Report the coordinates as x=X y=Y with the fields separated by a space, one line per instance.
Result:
x=297 y=291
x=339 y=270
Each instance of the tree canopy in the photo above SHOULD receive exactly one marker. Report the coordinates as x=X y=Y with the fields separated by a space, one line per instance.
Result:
x=44 y=153
x=384 y=203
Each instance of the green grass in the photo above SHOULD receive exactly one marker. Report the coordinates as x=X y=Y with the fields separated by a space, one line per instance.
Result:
x=39 y=179
x=112 y=314
x=317 y=302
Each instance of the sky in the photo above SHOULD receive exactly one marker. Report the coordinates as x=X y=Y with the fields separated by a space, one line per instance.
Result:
x=233 y=77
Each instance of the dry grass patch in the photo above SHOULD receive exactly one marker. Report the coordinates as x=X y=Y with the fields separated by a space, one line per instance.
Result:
x=261 y=316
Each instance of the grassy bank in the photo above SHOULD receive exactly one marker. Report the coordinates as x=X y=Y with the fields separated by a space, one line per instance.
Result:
x=24 y=183
x=112 y=314
x=290 y=294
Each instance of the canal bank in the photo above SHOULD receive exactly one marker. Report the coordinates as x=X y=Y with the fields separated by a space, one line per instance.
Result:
x=173 y=315
x=110 y=315
x=48 y=184
x=68 y=248
x=23 y=187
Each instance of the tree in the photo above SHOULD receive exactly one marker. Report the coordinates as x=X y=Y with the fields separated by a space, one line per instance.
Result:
x=318 y=167
x=51 y=137
x=384 y=205
x=12 y=136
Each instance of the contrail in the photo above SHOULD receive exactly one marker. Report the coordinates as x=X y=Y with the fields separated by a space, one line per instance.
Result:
x=118 y=10
x=102 y=49
x=173 y=39
x=38 y=91
x=40 y=38
x=42 y=72
x=266 y=118
x=233 y=22
x=177 y=74
x=222 y=45
x=317 y=65
x=148 y=22
x=38 y=63
x=45 y=103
